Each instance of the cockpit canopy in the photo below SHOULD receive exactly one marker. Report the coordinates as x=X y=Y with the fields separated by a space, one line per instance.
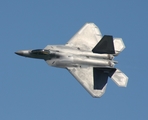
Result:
x=40 y=52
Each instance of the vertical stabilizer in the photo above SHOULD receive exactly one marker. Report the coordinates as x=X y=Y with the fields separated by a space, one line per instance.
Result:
x=105 y=45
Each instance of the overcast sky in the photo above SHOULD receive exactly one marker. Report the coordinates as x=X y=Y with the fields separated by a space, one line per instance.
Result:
x=32 y=90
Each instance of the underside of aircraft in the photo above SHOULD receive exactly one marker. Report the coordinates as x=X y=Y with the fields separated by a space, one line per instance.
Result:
x=88 y=56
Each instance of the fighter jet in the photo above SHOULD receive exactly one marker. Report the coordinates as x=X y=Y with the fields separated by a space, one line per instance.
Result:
x=88 y=56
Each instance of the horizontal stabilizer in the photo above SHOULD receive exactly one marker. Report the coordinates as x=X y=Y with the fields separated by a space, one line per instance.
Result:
x=118 y=45
x=119 y=78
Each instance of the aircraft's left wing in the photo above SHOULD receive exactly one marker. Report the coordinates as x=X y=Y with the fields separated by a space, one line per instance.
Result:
x=86 y=38
x=92 y=80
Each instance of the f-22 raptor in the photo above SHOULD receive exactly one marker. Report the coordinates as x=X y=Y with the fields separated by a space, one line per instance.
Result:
x=88 y=56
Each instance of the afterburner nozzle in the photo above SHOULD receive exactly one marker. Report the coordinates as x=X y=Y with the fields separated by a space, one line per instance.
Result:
x=112 y=63
x=110 y=56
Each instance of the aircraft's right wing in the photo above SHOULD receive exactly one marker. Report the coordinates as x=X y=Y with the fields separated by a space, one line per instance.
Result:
x=86 y=38
x=93 y=80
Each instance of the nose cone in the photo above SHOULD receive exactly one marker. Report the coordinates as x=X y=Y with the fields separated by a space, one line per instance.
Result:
x=24 y=53
x=19 y=53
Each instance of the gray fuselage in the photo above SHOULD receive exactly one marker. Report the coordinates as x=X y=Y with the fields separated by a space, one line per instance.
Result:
x=64 y=56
